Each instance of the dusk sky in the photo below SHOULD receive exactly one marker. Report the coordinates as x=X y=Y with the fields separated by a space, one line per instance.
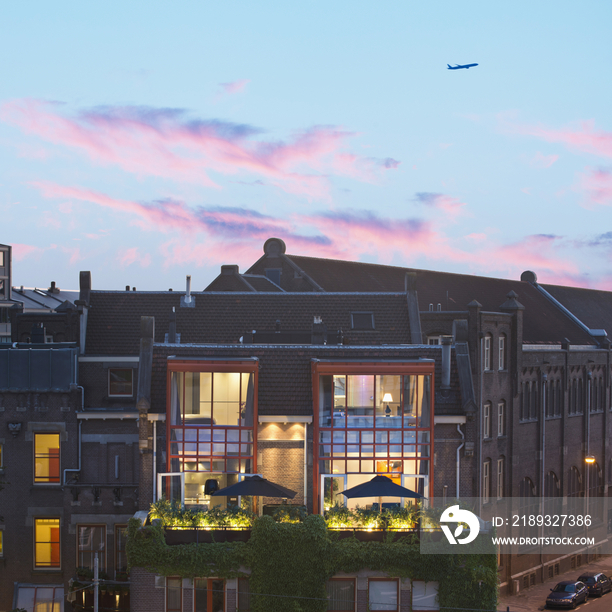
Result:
x=144 y=141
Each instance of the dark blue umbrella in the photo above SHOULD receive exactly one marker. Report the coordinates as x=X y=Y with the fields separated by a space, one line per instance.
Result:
x=256 y=485
x=380 y=486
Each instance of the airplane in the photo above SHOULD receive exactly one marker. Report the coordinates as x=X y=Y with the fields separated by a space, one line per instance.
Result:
x=458 y=67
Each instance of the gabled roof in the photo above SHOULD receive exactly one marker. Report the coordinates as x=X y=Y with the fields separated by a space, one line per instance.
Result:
x=113 y=326
x=592 y=307
x=542 y=322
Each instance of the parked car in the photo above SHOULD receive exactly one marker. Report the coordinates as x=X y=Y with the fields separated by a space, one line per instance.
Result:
x=596 y=582
x=567 y=594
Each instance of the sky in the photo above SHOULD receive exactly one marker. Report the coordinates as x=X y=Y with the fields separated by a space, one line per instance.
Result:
x=144 y=141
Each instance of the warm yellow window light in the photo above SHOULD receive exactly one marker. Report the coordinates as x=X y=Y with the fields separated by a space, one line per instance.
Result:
x=387 y=397
x=589 y=459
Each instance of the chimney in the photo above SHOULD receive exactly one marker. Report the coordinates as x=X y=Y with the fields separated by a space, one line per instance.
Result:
x=446 y=361
x=172 y=327
x=319 y=331
x=227 y=270
x=127 y=287
x=53 y=288
x=188 y=300
x=38 y=334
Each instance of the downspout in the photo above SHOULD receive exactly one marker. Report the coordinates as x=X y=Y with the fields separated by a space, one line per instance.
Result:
x=74 y=386
x=480 y=370
x=459 y=456
x=79 y=445
x=306 y=465
x=543 y=471
x=154 y=461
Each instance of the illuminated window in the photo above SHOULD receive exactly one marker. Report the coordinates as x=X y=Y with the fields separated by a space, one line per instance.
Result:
x=120 y=382
x=47 y=543
x=47 y=458
x=91 y=539
x=373 y=419
x=212 y=413
x=340 y=595
x=1 y=543
x=40 y=598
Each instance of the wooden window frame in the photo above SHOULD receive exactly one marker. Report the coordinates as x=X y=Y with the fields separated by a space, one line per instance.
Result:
x=102 y=565
x=396 y=580
x=38 y=480
x=354 y=592
x=48 y=567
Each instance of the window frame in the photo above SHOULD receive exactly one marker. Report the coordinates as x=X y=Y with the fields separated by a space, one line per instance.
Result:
x=501 y=419
x=110 y=394
x=371 y=314
x=48 y=457
x=48 y=567
x=102 y=565
x=1 y=541
x=210 y=592
x=354 y=592
x=397 y=597
x=118 y=551
x=167 y=590
x=500 y=478
x=486 y=420
x=501 y=355
x=486 y=481
x=486 y=356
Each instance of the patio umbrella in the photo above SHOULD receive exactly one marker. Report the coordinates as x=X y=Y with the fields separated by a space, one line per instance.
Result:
x=256 y=485
x=380 y=486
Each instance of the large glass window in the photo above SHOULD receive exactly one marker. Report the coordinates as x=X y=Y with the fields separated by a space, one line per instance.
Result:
x=41 y=598
x=47 y=543
x=368 y=424
x=244 y=595
x=47 y=458
x=91 y=539
x=211 y=422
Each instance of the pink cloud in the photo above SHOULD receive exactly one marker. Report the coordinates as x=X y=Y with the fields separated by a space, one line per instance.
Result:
x=235 y=86
x=350 y=235
x=584 y=138
x=543 y=161
x=447 y=204
x=597 y=185
x=164 y=143
x=23 y=251
x=126 y=257
x=541 y=253
x=74 y=252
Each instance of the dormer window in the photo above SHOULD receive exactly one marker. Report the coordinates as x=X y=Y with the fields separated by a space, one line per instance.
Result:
x=363 y=321
x=274 y=274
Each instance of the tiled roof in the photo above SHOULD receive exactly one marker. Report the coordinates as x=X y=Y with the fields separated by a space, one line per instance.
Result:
x=285 y=379
x=542 y=322
x=113 y=326
x=592 y=307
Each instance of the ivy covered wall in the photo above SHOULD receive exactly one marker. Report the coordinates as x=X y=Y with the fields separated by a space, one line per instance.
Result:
x=296 y=559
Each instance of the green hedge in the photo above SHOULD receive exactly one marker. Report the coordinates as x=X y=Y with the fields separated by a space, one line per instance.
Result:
x=295 y=560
